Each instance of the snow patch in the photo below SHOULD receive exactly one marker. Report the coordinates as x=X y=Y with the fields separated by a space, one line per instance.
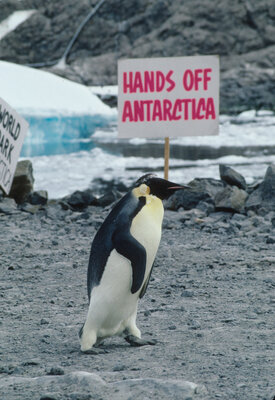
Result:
x=13 y=21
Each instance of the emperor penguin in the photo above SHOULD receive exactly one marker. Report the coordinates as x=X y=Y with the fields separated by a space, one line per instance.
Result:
x=120 y=264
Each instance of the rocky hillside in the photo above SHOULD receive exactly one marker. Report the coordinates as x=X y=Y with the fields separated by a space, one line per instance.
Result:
x=242 y=32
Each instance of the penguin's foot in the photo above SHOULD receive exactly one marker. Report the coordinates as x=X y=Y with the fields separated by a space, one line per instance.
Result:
x=95 y=351
x=137 y=342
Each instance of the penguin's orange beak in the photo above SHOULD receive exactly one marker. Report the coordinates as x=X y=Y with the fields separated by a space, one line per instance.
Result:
x=179 y=187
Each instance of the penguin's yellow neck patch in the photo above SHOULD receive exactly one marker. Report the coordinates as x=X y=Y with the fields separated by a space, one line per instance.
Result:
x=146 y=225
x=141 y=190
x=153 y=207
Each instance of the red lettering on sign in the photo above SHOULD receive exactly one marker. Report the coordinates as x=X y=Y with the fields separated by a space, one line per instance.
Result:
x=160 y=81
x=194 y=114
x=200 y=109
x=185 y=103
x=127 y=112
x=210 y=109
x=177 y=108
x=137 y=83
x=149 y=81
x=147 y=103
x=197 y=78
x=188 y=80
x=167 y=110
x=206 y=78
x=193 y=80
x=170 y=81
x=127 y=84
x=138 y=111
x=167 y=106
x=157 y=111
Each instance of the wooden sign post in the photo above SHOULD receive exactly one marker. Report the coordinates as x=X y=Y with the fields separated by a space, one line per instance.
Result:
x=175 y=95
x=166 y=157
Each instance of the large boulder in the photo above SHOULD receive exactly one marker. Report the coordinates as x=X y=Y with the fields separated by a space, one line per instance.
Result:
x=39 y=197
x=23 y=180
x=232 y=177
x=264 y=196
x=231 y=199
x=201 y=190
x=79 y=200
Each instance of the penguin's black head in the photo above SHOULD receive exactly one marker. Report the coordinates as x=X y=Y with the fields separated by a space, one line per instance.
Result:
x=161 y=188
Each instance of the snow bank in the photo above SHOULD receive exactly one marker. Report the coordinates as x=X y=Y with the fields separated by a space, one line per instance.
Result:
x=35 y=92
x=58 y=111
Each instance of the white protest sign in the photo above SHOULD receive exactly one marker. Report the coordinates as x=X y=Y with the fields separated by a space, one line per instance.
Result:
x=168 y=97
x=13 y=129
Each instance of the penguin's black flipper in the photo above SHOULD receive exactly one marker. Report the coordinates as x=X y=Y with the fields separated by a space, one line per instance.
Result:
x=146 y=283
x=126 y=245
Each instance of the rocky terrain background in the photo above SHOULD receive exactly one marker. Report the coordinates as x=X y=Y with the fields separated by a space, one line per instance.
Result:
x=209 y=304
x=242 y=32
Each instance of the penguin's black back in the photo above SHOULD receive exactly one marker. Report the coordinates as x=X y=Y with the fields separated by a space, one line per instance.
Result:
x=114 y=233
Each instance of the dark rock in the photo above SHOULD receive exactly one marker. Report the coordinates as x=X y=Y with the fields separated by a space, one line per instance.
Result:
x=54 y=211
x=29 y=208
x=270 y=240
x=202 y=190
x=8 y=206
x=238 y=218
x=268 y=186
x=80 y=200
x=231 y=199
x=187 y=293
x=56 y=371
x=245 y=226
x=118 y=368
x=187 y=199
x=110 y=100
x=108 y=198
x=39 y=197
x=262 y=199
x=254 y=201
x=207 y=208
x=194 y=215
x=23 y=180
x=232 y=177
x=219 y=216
x=109 y=185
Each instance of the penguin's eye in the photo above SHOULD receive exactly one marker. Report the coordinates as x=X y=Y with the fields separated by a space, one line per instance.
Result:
x=144 y=189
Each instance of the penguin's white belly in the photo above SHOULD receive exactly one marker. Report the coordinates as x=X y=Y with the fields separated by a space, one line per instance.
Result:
x=112 y=301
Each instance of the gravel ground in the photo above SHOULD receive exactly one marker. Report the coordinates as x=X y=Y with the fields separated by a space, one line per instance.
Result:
x=210 y=305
